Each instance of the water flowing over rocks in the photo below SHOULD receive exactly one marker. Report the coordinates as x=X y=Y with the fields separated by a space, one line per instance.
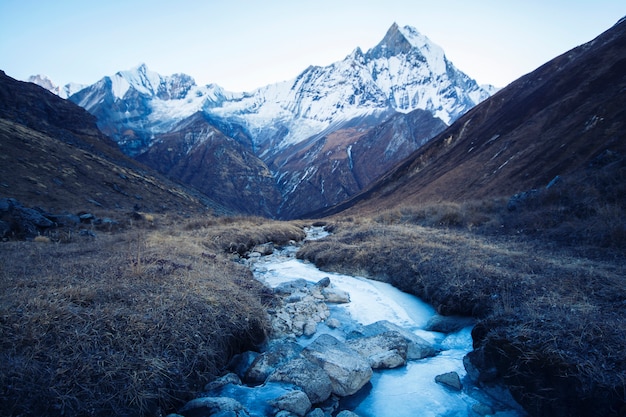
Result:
x=332 y=352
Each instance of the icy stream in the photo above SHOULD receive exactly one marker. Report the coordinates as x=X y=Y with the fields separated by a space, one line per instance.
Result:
x=402 y=392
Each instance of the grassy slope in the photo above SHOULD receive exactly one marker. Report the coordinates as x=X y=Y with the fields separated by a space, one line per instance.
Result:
x=130 y=323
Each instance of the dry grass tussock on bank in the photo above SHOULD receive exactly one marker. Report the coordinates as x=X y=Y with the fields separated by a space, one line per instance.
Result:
x=552 y=320
x=132 y=322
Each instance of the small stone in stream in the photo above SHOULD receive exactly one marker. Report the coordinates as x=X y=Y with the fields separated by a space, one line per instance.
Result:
x=310 y=328
x=210 y=406
x=450 y=380
x=295 y=402
x=333 y=323
x=240 y=363
x=482 y=409
x=323 y=283
x=448 y=324
x=224 y=380
x=347 y=413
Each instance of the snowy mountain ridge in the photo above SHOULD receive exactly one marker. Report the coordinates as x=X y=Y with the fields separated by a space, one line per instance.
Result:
x=63 y=92
x=404 y=72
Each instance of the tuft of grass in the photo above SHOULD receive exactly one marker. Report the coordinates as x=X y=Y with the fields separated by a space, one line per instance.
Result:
x=238 y=235
x=131 y=323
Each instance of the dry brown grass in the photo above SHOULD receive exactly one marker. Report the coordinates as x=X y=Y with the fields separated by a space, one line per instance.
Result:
x=238 y=235
x=129 y=323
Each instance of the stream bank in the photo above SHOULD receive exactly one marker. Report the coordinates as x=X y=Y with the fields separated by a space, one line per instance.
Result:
x=344 y=345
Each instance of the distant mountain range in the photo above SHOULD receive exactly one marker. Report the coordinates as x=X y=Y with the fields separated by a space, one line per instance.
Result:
x=318 y=135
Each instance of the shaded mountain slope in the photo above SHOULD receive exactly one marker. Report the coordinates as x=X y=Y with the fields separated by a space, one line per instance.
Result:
x=329 y=169
x=553 y=121
x=197 y=153
x=54 y=156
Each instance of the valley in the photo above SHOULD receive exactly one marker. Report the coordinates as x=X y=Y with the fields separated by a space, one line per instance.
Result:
x=128 y=224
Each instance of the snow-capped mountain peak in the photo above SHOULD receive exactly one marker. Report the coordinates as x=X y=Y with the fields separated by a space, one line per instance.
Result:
x=399 y=40
x=150 y=83
x=407 y=41
x=63 y=92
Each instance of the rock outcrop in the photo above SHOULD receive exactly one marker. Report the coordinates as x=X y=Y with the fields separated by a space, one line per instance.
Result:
x=20 y=222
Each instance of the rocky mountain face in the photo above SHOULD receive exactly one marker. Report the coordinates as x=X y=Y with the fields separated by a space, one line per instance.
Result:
x=322 y=109
x=198 y=154
x=333 y=167
x=123 y=105
x=55 y=158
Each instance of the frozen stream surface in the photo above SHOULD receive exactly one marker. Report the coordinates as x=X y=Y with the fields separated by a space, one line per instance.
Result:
x=401 y=392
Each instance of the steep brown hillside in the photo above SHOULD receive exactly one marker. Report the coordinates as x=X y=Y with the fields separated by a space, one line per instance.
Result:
x=53 y=156
x=196 y=153
x=553 y=121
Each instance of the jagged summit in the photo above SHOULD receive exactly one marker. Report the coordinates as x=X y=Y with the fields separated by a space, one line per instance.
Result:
x=150 y=83
x=63 y=92
x=399 y=41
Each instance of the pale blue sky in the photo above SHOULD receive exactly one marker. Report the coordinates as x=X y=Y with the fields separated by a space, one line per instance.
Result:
x=245 y=44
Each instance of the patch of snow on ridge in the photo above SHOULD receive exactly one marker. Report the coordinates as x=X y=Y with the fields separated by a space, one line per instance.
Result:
x=433 y=53
x=119 y=86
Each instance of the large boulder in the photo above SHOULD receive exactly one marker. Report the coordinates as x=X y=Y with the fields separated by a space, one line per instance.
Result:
x=208 y=406
x=383 y=351
x=277 y=354
x=347 y=370
x=312 y=379
x=296 y=402
x=335 y=295
x=417 y=347
x=290 y=287
x=25 y=221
